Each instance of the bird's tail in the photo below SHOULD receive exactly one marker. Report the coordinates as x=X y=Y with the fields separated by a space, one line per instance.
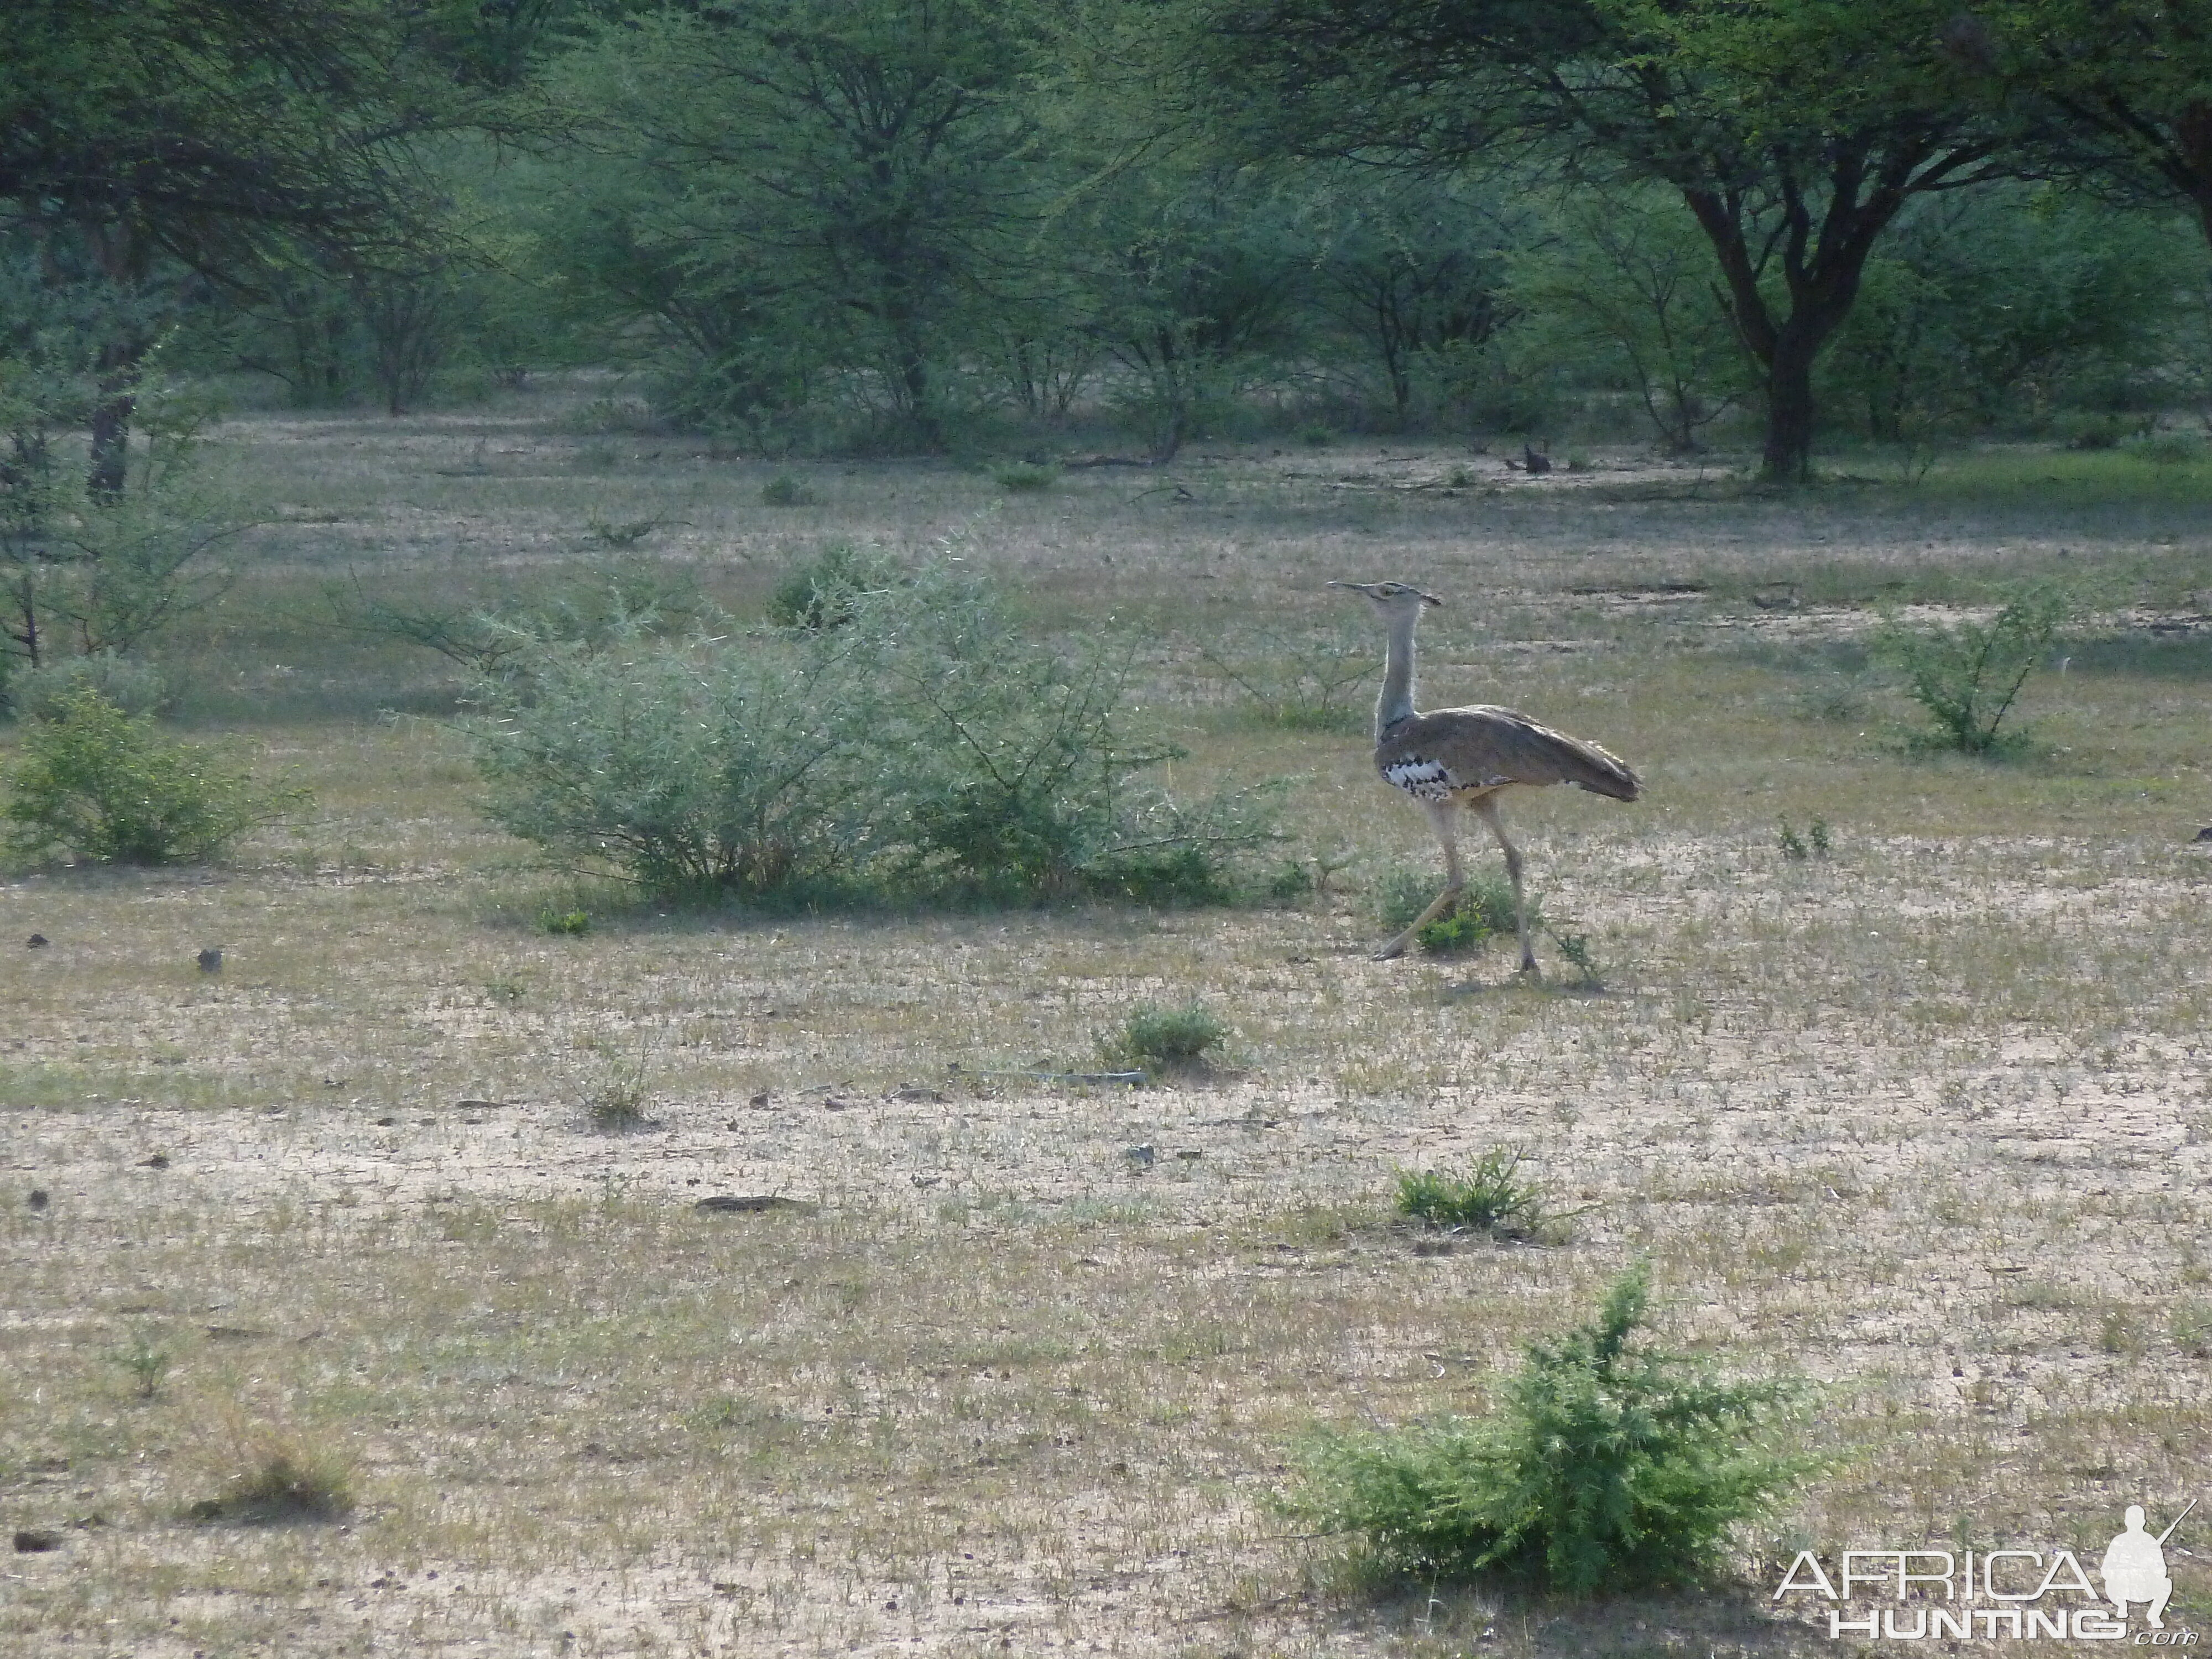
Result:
x=1589 y=767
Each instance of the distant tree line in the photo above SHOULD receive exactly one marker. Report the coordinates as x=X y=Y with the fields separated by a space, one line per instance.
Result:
x=924 y=224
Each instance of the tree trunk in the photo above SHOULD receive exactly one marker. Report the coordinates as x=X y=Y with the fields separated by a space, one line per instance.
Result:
x=115 y=403
x=125 y=259
x=1787 y=456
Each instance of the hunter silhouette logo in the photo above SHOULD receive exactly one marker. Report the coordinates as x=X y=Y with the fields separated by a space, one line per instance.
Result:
x=2135 y=1567
x=2012 y=1594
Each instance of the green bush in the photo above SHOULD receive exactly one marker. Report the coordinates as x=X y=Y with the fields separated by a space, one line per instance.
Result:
x=924 y=749
x=831 y=589
x=684 y=767
x=135 y=687
x=1968 y=675
x=104 y=785
x=1163 y=1039
x=1012 y=770
x=2166 y=449
x=1484 y=912
x=2093 y=431
x=1488 y=1195
x=1611 y=1466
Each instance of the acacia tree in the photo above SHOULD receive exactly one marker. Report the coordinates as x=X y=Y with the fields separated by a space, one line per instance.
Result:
x=2129 y=80
x=1413 y=269
x=797 y=171
x=209 y=136
x=1626 y=279
x=1794 y=131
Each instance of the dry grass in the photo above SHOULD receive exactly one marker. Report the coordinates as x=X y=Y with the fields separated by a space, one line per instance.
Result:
x=1927 y=1118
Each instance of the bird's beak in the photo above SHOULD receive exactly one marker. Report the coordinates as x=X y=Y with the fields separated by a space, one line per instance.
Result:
x=1431 y=598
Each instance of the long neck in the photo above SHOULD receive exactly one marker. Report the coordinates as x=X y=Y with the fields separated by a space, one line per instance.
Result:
x=1396 y=702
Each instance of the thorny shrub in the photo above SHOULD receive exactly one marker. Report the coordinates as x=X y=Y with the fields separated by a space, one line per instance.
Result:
x=924 y=747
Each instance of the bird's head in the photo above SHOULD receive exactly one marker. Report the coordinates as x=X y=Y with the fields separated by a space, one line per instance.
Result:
x=1392 y=597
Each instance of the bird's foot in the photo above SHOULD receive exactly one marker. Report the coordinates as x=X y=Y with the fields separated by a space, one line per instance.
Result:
x=1389 y=952
x=1529 y=967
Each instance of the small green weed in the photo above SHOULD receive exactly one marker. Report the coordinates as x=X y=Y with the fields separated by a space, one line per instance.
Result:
x=1302 y=681
x=1489 y=1195
x=1484 y=909
x=2191 y=1329
x=1817 y=833
x=1793 y=844
x=1023 y=477
x=1155 y=1039
x=1454 y=934
x=1610 y=1466
x=1576 y=948
x=146 y=1361
x=1968 y=675
x=571 y=923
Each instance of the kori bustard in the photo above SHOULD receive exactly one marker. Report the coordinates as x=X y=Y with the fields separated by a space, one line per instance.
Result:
x=1454 y=757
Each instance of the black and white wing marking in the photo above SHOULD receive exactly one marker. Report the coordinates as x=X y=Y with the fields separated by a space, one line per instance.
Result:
x=1432 y=779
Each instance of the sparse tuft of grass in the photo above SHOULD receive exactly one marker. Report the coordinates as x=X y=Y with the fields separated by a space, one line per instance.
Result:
x=568 y=922
x=1156 y=1039
x=2165 y=449
x=1489 y=1195
x=627 y=532
x=784 y=490
x=284 y=1479
x=1023 y=477
x=617 y=1094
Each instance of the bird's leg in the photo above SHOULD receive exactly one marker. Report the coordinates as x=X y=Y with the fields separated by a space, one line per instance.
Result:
x=1488 y=807
x=1440 y=814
